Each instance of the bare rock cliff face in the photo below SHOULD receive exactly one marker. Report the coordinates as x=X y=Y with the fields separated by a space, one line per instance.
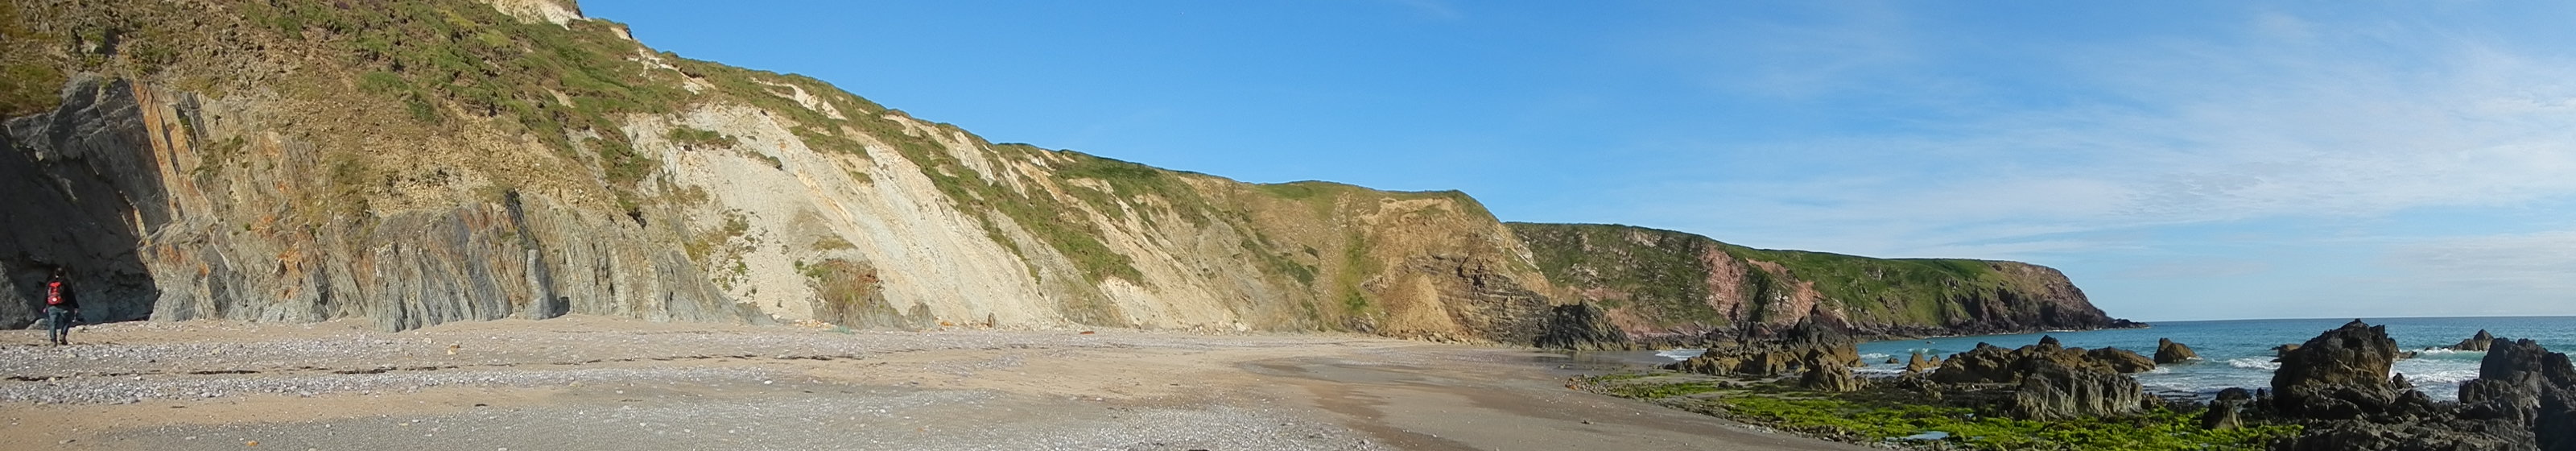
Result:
x=432 y=161
x=116 y=187
x=427 y=161
x=1667 y=288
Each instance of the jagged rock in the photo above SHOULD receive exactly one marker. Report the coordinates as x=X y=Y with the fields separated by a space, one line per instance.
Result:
x=1891 y=360
x=2333 y=385
x=1581 y=327
x=2278 y=351
x=2226 y=412
x=2120 y=360
x=2169 y=352
x=1824 y=374
x=2341 y=374
x=1917 y=364
x=2524 y=385
x=1988 y=363
x=2480 y=342
x=1778 y=355
x=2053 y=390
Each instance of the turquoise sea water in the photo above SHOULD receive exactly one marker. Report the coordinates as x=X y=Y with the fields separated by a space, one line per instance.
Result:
x=2238 y=353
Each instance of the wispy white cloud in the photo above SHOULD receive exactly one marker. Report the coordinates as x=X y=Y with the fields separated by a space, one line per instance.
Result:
x=2515 y=263
x=2277 y=120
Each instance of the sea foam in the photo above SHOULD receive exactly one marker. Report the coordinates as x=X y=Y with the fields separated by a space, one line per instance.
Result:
x=2254 y=363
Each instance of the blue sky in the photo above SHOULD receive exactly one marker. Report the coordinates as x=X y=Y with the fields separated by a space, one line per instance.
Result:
x=2180 y=160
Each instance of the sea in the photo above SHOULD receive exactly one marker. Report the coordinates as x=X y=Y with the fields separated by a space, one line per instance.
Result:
x=2238 y=353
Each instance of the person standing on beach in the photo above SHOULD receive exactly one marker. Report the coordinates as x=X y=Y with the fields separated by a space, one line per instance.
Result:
x=60 y=308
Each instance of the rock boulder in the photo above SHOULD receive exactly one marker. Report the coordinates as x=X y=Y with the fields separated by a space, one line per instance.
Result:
x=1917 y=364
x=2052 y=390
x=1778 y=355
x=2120 y=360
x=2226 y=412
x=2341 y=374
x=1988 y=363
x=2480 y=342
x=1825 y=374
x=2169 y=352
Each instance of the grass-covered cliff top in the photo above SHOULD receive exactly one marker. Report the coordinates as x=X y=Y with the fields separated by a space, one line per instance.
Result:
x=1674 y=275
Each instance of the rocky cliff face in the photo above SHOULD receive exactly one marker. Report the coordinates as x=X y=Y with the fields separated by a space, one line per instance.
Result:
x=434 y=161
x=429 y=161
x=1661 y=286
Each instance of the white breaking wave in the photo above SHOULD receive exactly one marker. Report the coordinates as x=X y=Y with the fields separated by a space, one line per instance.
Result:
x=2255 y=363
x=2441 y=351
x=1875 y=357
x=2434 y=372
x=1680 y=354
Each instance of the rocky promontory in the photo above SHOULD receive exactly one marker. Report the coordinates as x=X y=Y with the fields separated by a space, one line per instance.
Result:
x=1668 y=289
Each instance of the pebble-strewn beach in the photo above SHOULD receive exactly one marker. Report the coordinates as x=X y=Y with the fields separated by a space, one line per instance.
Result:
x=592 y=383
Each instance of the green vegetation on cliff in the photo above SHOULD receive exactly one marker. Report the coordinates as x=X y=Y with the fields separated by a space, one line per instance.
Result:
x=1683 y=281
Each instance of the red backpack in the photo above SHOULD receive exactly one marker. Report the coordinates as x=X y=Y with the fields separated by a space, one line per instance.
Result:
x=54 y=293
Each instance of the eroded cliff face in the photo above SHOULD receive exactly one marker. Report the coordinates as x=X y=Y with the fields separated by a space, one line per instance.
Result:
x=1662 y=288
x=429 y=161
x=434 y=161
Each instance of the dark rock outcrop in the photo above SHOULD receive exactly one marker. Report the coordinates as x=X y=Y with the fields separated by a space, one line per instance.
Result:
x=2120 y=360
x=2227 y=411
x=2479 y=342
x=1581 y=327
x=2338 y=386
x=1825 y=374
x=2169 y=352
x=1777 y=355
x=1918 y=364
x=2342 y=374
x=1993 y=364
x=2053 y=390
x=2524 y=385
x=2047 y=381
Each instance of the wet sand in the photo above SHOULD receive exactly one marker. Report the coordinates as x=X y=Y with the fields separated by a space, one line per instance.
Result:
x=604 y=384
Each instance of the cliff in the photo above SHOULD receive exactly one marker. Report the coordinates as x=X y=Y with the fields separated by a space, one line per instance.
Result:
x=432 y=161
x=421 y=162
x=1662 y=287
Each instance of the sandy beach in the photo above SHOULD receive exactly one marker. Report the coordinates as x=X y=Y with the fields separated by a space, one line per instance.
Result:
x=595 y=383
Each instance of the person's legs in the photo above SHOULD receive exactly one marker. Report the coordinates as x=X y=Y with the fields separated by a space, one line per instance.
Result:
x=60 y=320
